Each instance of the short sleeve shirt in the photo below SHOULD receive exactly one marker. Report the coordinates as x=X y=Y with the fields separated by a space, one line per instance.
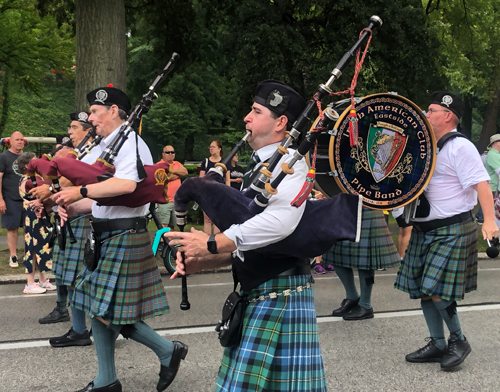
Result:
x=493 y=168
x=125 y=168
x=450 y=191
x=10 y=180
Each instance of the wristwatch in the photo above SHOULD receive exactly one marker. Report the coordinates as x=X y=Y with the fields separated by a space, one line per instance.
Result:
x=212 y=245
x=83 y=191
x=51 y=189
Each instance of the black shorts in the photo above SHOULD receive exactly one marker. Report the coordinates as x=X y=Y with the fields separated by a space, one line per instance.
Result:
x=14 y=216
x=401 y=222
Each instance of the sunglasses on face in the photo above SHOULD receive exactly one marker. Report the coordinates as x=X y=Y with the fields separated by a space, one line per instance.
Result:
x=169 y=152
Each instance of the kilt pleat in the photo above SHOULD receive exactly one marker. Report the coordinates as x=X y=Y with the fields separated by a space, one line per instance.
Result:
x=441 y=262
x=126 y=286
x=70 y=261
x=374 y=250
x=280 y=349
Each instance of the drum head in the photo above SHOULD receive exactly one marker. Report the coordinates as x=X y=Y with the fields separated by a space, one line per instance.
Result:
x=394 y=157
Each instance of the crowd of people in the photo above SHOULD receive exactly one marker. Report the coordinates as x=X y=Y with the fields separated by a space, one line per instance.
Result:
x=111 y=275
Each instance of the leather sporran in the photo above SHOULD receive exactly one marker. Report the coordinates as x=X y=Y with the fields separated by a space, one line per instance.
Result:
x=231 y=326
x=92 y=251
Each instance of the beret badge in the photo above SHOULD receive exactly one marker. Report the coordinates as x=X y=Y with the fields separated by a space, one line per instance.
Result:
x=447 y=100
x=101 y=96
x=82 y=116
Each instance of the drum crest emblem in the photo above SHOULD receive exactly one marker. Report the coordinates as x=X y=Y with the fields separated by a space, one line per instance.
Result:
x=160 y=176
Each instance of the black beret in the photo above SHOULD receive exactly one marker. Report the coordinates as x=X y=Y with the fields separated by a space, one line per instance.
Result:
x=449 y=101
x=108 y=96
x=80 y=116
x=280 y=98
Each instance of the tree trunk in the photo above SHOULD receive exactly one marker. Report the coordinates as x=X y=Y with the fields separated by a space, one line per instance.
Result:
x=5 y=101
x=490 y=120
x=101 y=47
x=467 y=117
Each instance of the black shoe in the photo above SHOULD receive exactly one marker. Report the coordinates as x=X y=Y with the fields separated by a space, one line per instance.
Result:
x=428 y=353
x=456 y=352
x=71 y=339
x=345 y=307
x=359 y=313
x=168 y=373
x=56 y=316
x=113 y=387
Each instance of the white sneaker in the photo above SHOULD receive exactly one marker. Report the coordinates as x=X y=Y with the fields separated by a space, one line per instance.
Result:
x=47 y=285
x=13 y=262
x=33 y=289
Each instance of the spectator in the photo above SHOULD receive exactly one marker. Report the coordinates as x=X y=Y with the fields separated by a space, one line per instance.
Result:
x=215 y=157
x=236 y=173
x=37 y=251
x=493 y=166
x=11 y=203
x=176 y=172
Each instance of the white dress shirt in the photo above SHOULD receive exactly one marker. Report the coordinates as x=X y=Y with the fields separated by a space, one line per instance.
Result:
x=125 y=168
x=458 y=168
x=279 y=219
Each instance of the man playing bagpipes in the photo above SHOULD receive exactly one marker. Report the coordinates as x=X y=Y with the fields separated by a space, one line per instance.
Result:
x=121 y=285
x=279 y=348
x=67 y=262
x=440 y=263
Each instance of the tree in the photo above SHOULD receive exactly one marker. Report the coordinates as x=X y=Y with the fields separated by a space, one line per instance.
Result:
x=30 y=46
x=469 y=33
x=300 y=41
x=101 y=47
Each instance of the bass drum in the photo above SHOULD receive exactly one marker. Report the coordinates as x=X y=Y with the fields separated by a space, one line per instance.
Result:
x=325 y=182
x=393 y=159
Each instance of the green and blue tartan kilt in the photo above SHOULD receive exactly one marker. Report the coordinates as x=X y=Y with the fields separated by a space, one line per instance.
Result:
x=68 y=262
x=441 y=262
x=374 y=250
x=279 y=349
x=126 y=286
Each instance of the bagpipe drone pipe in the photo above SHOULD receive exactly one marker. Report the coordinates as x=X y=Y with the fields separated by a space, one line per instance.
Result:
x=152 y=188
x=316 y=231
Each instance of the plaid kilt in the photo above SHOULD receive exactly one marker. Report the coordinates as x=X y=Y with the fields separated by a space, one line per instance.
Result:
x=441 y=262
x=67 y=263
x=280 y=349
x=374 y=250
x=126 y=286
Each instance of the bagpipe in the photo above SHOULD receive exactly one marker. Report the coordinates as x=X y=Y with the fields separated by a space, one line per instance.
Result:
x=315 y=233
x=37 y=168
x=380 y=149
x=152 y=188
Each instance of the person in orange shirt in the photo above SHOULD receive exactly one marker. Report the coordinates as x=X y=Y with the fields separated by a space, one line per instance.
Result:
x=166 y=212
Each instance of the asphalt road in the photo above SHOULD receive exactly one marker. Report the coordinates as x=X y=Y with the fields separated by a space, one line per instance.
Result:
x=358 y=355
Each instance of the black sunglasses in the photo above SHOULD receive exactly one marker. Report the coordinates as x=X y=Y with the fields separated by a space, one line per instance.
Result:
x=169 y=152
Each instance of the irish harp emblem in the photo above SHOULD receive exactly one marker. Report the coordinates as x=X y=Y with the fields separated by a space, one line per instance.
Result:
x=160 y=176
x=386 y=143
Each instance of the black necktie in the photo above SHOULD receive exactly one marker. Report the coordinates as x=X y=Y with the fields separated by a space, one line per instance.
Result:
x=250 y=169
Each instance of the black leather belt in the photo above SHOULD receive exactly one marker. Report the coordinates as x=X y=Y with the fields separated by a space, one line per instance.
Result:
x=139 y=224
x=437 y=223
x=303 y=269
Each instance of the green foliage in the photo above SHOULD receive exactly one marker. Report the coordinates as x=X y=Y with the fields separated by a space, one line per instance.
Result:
x=32 y=45
x=469 y=33
x=45 y=115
